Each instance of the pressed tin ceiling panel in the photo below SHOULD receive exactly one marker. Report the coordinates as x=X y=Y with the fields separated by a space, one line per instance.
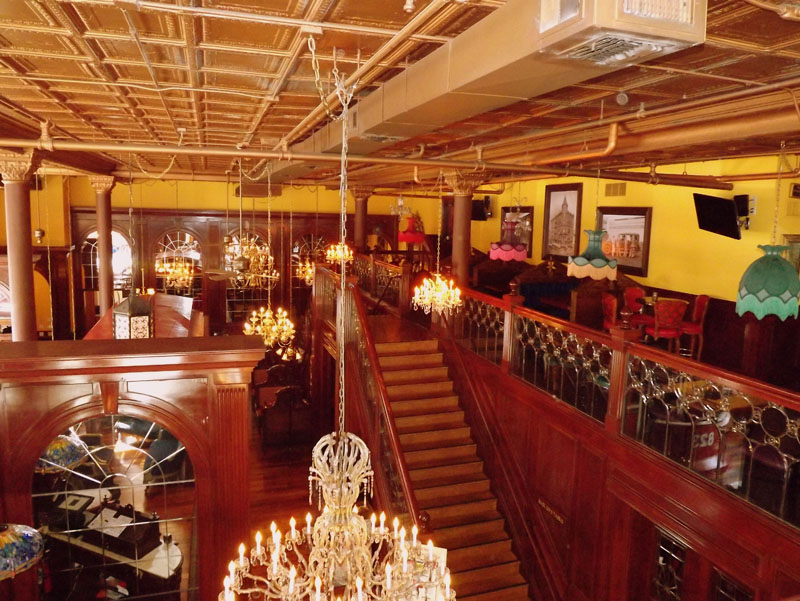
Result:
x=101 y=76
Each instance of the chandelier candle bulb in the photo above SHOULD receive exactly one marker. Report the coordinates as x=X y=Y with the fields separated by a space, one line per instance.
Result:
x=308 y=524
x=292 y=524
x=359 y=584
x=414 y=532
x=405 y=560
x=396 y=524
x=317 y=586
x=292 y=576
x=258 y=542
x=232 y=570
x=372 y=519
x=402 y=536
x=447 y=585
x=388 y=577
x=383 y=521
x=241 y=554
x=430 y=550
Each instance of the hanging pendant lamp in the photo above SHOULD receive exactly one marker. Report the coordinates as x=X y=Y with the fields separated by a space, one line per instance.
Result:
x=770 y=285
x=20 y=548
x=592 y=262
x=63 y=453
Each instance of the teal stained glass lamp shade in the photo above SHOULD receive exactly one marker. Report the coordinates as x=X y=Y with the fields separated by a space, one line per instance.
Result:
x=20 y=548
x=592 y=262
x=64 y=453
x=770 y=286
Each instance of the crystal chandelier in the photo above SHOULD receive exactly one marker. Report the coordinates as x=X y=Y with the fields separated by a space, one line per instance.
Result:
x=305 y=272
x=275 y=328
x=437 y=294
x=339 y=253
x=340 y=555
x=177 y=272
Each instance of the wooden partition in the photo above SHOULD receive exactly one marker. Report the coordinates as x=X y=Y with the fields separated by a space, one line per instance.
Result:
x=571 y=426
x=197 y=388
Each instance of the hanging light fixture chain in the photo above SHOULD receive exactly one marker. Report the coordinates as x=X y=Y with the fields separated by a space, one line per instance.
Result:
x=439 y=226
x=778 y=193
x=312 y=46
x=269 y=234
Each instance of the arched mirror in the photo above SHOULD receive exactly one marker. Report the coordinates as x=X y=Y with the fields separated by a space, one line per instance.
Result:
x=114 y=498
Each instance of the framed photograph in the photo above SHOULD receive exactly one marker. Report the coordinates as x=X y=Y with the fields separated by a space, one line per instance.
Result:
x=516 y=226
x=562 y=221
x=627 y=237
x=794 y=190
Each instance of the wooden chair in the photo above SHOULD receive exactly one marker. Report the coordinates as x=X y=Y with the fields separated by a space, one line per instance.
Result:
x=633 y=297
x=609 y=310
x=667 y=321
x=694 y=328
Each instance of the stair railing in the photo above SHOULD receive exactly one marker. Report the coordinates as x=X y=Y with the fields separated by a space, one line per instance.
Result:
x=389 y=464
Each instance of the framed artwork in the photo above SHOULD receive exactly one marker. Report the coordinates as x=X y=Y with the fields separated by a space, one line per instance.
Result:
x=562 y=221
x=793 y=254
x=516 y=226
x=794 y=191
x=627 y=237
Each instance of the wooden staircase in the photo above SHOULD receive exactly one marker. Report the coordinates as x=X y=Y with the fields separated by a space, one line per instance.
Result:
x=447 y=473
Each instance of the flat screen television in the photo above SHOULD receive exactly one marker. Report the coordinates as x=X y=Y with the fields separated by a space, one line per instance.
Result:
x=717 y=215
x=480 y=209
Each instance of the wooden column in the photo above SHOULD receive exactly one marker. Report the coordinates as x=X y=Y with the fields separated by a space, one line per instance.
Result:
x=102 y=185
x=361 y=195
x=16 y=171
x=463 y=186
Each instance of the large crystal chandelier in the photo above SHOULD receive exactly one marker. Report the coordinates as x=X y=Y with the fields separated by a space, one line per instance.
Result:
x=340 y=555
x=437 y=294
x=339 y=253
x=274 y=327
x=177 y=271
x=248 y=261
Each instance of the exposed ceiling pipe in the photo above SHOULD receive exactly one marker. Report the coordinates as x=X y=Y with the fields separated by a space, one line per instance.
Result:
x=744 y=177
x=50 y=144
x=638 y=116
x=785 y=10
x=235 y=15
x=587 y=154
x=401 y=36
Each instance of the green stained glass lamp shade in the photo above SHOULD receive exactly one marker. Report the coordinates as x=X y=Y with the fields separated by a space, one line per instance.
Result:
x=592 y=262
x=770 y=286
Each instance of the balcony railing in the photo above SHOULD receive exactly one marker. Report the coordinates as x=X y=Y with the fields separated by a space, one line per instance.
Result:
x=387 y=284
x=738 y=433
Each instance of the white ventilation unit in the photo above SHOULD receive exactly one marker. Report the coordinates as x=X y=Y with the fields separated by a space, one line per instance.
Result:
x=616 y=33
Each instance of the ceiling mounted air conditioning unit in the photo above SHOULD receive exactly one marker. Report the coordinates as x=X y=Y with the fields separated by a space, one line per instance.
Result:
x=619 y=32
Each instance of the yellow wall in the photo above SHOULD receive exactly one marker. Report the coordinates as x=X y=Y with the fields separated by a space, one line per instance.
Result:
x=682 y=257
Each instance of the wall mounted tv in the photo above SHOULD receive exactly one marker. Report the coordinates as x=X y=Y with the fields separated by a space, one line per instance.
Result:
x=720 y=215
x=480 y=209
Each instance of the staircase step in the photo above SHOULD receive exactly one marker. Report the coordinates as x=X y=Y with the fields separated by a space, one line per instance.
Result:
x=416 y=441
x=441 y=456
x=436 y=496
x=512 y=593
x=469 y=558
x=430 y=421
x=407 y=347
x=416 y=375
x=490 y=578
x=390 y=362
x=441 y=404
x=457 y=537
x=446 y=474
x=402 y=392
x=464 y=513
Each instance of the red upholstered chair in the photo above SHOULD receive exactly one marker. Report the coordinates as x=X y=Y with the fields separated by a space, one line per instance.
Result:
x=609 y=310
x=694 y=328
x=634 y=301
x=669 y=314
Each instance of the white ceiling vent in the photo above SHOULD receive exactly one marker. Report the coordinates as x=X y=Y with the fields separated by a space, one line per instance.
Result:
x=619 y=32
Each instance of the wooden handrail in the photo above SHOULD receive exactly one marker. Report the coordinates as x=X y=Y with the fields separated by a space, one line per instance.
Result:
x=386 y=409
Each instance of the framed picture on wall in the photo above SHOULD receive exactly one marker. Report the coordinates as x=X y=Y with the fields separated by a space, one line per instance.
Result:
x=794 y=190
x=627 y=237
x=562 y=221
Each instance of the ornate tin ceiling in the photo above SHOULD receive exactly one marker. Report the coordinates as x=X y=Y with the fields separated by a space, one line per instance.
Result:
x=159 y=72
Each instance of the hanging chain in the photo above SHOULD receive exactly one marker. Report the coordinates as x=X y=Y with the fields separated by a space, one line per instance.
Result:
x=49 y=260
x=312 y=46
x=241 y=201
x=227 y=200
x=270 y=261
x=439 y=226
x=778 y=192
x=130 y=208
x=291 y=250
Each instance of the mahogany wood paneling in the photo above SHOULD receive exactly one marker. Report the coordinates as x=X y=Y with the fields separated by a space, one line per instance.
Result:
x=196 y=388
x=612 y=494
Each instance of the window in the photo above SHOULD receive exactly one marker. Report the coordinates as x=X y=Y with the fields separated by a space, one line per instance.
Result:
x=668 y=580
x=121 y=262
x=179 y=265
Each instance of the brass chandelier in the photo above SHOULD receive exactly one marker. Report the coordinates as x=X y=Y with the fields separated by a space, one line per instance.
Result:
x=339 y=253
x=177 y=271
x=340 y=555
x=436 y=293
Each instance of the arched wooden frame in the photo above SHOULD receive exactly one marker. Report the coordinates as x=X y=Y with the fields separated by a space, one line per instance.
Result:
x=84 y=237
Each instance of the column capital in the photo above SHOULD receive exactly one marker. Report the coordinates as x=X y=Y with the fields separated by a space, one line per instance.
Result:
x=102 y=183
x=361 y=192
x=18 y=167
x=464 y=184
